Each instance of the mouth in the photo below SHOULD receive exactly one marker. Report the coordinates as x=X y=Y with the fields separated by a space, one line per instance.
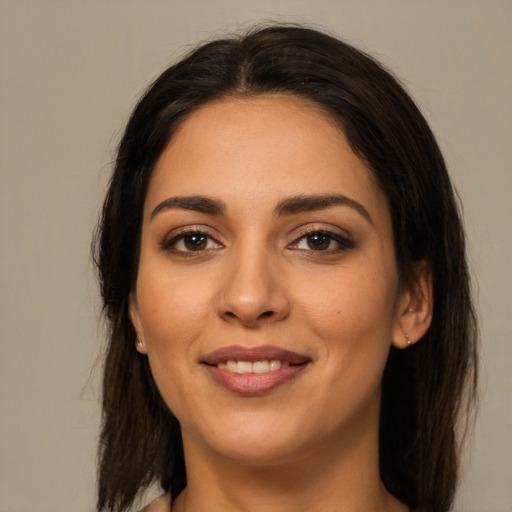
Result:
x=262 y=366
x=254 y=371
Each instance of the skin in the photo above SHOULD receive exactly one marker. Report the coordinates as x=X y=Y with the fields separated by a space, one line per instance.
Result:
x=312 y=443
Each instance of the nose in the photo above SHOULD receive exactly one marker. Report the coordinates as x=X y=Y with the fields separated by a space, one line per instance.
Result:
x=253 y=292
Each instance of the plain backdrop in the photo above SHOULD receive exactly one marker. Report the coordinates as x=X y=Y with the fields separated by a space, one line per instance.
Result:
x=70 y=71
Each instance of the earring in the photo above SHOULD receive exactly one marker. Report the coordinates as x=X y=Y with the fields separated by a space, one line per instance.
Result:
x=139 y=343
x=409 y=342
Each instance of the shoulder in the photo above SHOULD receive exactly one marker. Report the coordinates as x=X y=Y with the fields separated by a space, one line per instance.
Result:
x=160 y=504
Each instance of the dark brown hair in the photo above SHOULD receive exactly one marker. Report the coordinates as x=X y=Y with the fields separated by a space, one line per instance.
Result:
x=425 y=386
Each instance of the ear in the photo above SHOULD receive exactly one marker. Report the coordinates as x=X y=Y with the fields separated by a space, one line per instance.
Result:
x=414 y=307
x=135 y=319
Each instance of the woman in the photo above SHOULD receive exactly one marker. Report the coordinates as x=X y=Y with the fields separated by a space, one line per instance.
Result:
x=283 y=270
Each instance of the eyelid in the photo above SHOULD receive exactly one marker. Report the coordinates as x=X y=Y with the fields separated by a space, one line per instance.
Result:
x=174 y=236
x=344 y=241
x=341 y=237
x=319 y=227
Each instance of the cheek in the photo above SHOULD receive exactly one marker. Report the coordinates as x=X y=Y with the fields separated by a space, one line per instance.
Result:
x=171 y=309
x=172 y=313
x=353 y=317
x=352 y=321
x=352 y=306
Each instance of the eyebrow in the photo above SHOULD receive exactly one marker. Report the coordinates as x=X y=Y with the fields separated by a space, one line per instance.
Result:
x=289 y=206
x=312 y=203
x=203 y=204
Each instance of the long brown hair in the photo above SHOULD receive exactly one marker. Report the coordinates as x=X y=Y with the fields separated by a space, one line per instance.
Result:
x=426 y=388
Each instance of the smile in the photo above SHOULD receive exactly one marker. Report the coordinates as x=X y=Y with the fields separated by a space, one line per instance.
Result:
x=263 y=366
x=254 y=371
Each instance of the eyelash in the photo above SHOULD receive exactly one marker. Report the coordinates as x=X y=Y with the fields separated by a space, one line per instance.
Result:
x=167 y=244
x=343 y=243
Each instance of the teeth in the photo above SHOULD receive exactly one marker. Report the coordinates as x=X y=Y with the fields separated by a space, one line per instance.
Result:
x=244 y=367
x=275 y=364
x=262 y=366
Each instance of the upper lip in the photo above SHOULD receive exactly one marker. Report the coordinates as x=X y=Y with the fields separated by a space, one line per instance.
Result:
x=252 y=354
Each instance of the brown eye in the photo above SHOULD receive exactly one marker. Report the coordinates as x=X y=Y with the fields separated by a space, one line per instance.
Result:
x=318 y=241
x=190 y=242
x=195 y=242
x=326 y=242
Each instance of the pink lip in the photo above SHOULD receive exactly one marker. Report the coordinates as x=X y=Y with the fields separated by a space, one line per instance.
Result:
x=254 y=384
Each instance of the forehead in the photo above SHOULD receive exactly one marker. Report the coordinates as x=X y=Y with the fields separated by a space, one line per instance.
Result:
x=261 y=149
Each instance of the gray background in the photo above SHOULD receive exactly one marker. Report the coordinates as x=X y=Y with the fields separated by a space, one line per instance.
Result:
x=69 y=73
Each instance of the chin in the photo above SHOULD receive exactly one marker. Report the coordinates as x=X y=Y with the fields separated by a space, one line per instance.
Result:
x=258 y=439
x=259 y=452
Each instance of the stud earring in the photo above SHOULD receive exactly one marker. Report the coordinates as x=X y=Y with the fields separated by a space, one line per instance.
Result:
x=409 y=342
x=139 y=343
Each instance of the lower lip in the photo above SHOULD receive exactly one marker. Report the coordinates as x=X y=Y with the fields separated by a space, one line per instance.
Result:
x=253 y=384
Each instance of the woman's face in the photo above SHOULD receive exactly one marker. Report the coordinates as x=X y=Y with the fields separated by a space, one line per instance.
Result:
x=267 y=294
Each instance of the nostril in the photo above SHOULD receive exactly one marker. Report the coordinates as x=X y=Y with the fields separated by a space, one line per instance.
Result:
x=261 y=316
